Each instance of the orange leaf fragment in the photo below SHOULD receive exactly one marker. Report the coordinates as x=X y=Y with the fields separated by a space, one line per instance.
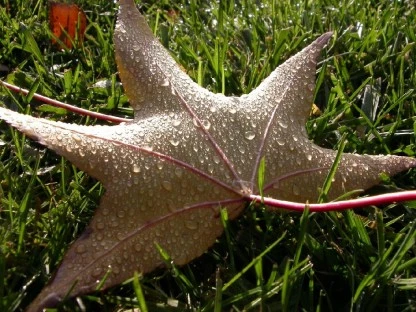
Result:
x=67 y=22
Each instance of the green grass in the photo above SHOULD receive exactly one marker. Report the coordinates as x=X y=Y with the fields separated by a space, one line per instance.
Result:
x=360 y=260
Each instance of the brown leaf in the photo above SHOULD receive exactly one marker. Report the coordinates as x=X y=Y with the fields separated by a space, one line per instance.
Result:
x=67 y=22
x=187 y=153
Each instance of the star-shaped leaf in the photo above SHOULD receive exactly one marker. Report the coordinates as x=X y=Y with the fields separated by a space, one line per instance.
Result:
x=187 y=153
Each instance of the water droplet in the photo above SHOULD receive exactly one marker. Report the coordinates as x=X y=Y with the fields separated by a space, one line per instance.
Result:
x=282 y=124
x=167 y=185
x=80 y=249
x=176 y=122
x=100 y=226
x=249 y=135
x=115 y=269
x=295 y=189
x=96 y=272
x=178 y=172
x=192 y=225
x=174 y=142
x=138 y=247
x=136 y=168
x=206 y=124
x=171 y=205
x=281 y=142
x=232 y=111
x=201 y=159
x=309 y=157
x=147 y=148
x=216 y=159
x=165 y=82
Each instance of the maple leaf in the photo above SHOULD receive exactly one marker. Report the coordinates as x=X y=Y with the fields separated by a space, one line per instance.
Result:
x=187 y=153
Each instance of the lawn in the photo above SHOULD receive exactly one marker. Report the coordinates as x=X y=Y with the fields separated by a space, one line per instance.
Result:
x=360 y=260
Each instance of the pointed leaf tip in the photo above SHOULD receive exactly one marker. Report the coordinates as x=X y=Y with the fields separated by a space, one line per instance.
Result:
x=324 y=38
x=146 y=67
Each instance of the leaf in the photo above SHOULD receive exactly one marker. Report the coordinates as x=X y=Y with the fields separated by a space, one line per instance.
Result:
x=187 y=154
x=67 y=22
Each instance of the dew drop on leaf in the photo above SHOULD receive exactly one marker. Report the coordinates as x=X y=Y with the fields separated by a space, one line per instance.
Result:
x=249 y=135
x=136 y=168
x=165 y=83
x=176 y=122
x=178 y=172
x=115 y=269
x=167 y=185
x=96 y=272
x=281 y=142
x=138 y=247
x=192 y=225
x=206 y=124
x=174 y=142
x=295 y=189
x=282 y=123
x=81 y=249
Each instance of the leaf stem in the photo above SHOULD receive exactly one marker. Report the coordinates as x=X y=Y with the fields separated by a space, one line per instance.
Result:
x=340 y=205
x=69 y=107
